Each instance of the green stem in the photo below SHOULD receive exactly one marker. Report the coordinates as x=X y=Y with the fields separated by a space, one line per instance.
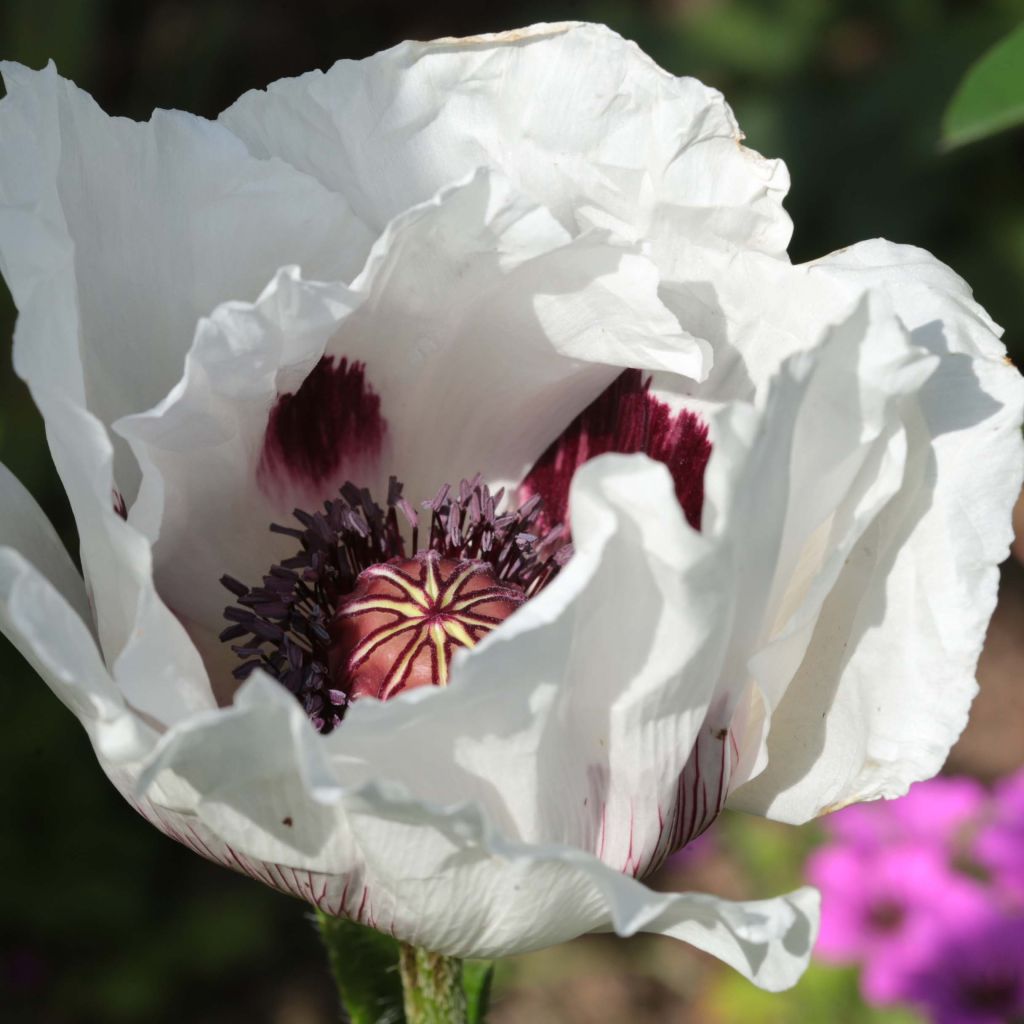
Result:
x=377 y=976
x=432 y=985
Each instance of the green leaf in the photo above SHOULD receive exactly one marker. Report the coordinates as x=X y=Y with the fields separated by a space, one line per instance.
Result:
x=990 y=98
x=365 y=967
x=477 y=976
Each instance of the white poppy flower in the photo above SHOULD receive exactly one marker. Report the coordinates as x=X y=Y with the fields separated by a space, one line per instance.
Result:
x=520 y=260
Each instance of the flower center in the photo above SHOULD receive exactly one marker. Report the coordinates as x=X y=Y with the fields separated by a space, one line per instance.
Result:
x=357 y=612
x=886 y=915
x=998 y=994
x=404 y=620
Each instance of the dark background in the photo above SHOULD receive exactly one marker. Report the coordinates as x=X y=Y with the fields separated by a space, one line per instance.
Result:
x=102 y=919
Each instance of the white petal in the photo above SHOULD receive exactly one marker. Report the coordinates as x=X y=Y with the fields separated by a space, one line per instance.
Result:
x=245 y=770
x=25 y=529
x=485 y=321
x=578 y=118
x=768 y=941
x=116 y=236
x=482 y=329
x=44 y=611
x=151 y=657
x=440 y=876
x=789 y=489
x=444 y=879
x=884 y=688
x=838 y=444
x=756 y=311
x=468 y=891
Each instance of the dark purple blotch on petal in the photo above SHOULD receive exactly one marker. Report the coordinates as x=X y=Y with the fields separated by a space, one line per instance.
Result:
x=333 y=422
x=625 y=418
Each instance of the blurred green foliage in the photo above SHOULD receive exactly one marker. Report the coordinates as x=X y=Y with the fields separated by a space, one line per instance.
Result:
x=824 y=994
x=101 y=918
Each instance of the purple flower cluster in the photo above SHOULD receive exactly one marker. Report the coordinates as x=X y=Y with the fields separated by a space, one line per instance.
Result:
x=926 y=894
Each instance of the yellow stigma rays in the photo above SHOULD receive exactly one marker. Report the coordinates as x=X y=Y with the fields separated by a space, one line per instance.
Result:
x=405 y=619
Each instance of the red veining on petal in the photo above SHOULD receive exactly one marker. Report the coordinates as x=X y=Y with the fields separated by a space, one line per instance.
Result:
x=701 y=792
x=625 y=418
x=332 y=422
x=329 y=893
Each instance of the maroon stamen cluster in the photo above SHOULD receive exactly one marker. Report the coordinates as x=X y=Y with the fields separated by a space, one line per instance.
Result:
x=288 y=624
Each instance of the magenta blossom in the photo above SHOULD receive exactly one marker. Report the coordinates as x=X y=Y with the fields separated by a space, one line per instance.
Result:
x=999 y=847
x=886 y=908
x=939 y=812
x=975 y=975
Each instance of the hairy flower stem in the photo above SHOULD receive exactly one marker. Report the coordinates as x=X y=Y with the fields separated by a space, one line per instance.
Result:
x=432 y=985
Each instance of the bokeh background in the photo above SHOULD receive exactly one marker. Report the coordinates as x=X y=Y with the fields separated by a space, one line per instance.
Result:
x=101 y=918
